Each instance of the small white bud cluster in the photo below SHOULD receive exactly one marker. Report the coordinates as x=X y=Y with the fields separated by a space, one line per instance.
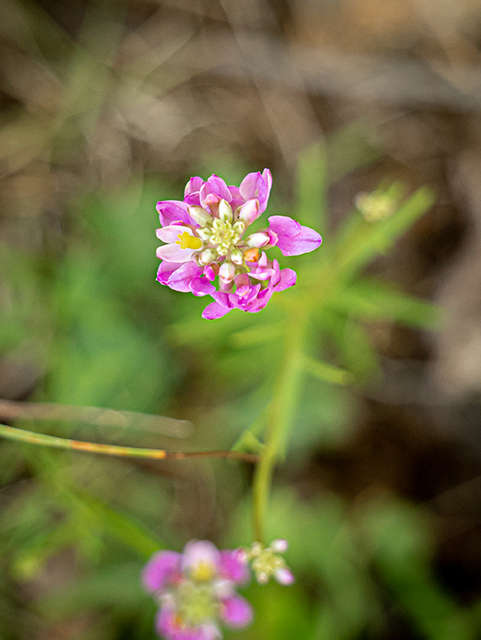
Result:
x=376 y=206
x=267 y=562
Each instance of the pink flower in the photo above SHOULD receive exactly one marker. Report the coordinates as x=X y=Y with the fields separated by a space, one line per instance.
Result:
x=205 y=241
x=196 y=591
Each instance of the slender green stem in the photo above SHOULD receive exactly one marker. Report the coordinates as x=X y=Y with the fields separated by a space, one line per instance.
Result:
x=31 y=437
x=279 y=419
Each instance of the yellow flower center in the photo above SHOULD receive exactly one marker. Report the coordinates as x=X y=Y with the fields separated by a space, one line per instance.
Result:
x=187 y=241
x=203 y=571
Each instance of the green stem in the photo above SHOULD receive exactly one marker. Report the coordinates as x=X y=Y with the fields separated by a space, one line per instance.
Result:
x=279 y=419
x=42 y=439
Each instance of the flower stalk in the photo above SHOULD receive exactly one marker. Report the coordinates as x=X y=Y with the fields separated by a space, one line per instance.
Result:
x=42 y=439
x=278 y=422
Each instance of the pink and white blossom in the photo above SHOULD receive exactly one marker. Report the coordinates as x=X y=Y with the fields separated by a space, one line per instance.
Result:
x=196 y=591
x=206 y=241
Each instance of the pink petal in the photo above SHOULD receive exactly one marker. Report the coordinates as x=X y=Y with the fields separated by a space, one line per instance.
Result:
x=173 y=253
x=284 y=576
x=165 y=270
x=201 y=287
x=210 y=632
x=242 y=279
x=233 y=566
x=216 y=186
x=250 y=211
x=193 y=186
x=159 y=569
x=171 y=233
x=262 y=274
x=210 y=272
x=214 y=310
x=284 y=226
x=257 y=186
x=237 y=199
x=236 y=612
x=167 y=627
x=223 y=299
x=173 y=211
x=267 y=175
x=181 y=278
x=305 y=241
x=288 y=279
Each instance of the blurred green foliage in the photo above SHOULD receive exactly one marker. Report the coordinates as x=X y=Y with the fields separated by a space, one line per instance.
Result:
x=96 y=329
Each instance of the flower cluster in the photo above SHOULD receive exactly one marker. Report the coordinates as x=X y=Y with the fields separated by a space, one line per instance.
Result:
x=196 y=589
x=267 y=562
x=207 y=252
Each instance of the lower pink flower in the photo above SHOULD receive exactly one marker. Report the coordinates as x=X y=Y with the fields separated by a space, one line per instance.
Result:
x=196 y=591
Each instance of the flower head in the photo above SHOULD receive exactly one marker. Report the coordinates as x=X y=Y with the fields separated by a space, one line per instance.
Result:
x=267 y=562
x=196 y=590
x=208 y=250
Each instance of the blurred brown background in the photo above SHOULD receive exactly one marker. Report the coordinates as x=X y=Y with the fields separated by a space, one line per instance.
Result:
x=94 y=93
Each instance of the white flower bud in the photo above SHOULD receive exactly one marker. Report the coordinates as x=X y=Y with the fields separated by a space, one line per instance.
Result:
x=257 y=240
x=207 y=256
x=237 y=256
x=249 y=211
x=199 y=215
x=227 y=272
x=239 y=226
x=204 y=234
x=279 y=545
x=262 y=577
x=225 y=211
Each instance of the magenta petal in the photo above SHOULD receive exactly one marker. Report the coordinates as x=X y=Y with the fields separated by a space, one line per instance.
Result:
x=214 y=310
x=193 y=186
x=233 y=566
x=165 y=270
x=216 y=186
x=284 y=226
x=267 y=175
x=201 y=287
x=223 y=299
x=257 y=186
x=237 y=199
x=180 y=280
x=171 y=211
x=209 y=273
x=303 y=242
x=288 y=279
x=249 y=211
x=159 y=569
x=236 y=612
x=167 y=627
x=284 y=576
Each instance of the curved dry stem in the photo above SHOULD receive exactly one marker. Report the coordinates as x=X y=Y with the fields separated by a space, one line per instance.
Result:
x=41 y=439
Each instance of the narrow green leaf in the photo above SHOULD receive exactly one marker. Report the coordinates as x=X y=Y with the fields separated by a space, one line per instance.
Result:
x=258 y=334
x=362 y=241
x=312 y=186
x=375 y=300
x=123 y=527
x=326 y=372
